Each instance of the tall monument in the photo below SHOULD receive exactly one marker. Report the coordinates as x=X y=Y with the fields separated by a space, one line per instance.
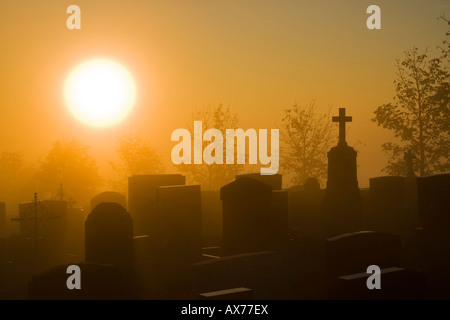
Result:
x=342 y=211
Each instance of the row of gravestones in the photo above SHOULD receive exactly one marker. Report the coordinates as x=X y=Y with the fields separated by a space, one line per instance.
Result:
x=254 y=219
x=390 y=205
x=386 y=199
x=165 y=251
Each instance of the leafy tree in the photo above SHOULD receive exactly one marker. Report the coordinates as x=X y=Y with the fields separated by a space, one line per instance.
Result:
x=419 y=115
x=214 y=176
x=69 y=164
x=15 y=177
x=11 y=165
x=136 y=156
x=306 y=137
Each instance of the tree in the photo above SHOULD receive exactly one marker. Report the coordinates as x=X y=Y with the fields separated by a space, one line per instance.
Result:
x=306 y=138
x=136 y=156
x=15 y=177
x=214 y=176
x=69 y=164
x=11 y=166
x=419 y=115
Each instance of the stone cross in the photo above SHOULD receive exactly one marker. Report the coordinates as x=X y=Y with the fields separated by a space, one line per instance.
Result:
x=342 y=119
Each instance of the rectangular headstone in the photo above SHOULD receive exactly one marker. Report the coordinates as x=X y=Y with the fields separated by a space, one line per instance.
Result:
x=47 y=221
x=396 y=284
x=2 y=219
x=211 y=218
x=387 y=201
x=266 y=273
x=229 y=294
x=255 y=218
x=434 y=212
x=434 y=204
x=2 y=254
x=74 y=243
x=305 y=212
x=354 y=252
x=411 y=204
x=365 y=199
x=179 y=237
x=98 y=282
x=144 y=266
x=280 y=220
x=179 y=219
x=142 y=199
x=247 y=216
x=273 y=180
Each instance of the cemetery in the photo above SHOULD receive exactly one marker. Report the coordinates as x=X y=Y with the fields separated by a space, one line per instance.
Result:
x=251 y=240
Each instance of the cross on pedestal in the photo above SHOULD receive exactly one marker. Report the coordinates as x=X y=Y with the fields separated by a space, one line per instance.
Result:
x=342 y=119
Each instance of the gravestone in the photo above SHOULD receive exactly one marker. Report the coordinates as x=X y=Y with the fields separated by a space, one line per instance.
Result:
x=211 y=218
x=142 y=199
x=274 y=180
x=396 y=284
x=229 y=294
x=44 y=226
x=179 y=236
x=280 y=220
x=2 y=219
x=49 y=216
x=145 y=267
x=265 y=273
x=109 y=236
x=305 y=209
x=179 y=220
x=434 y=204
x=387 y=201
x=3 y=257
x=342 y=210
x=247 y=216
x=354 y=252
x=367 y=211
x=74 y=244
x=434 y=212
x=109 y=196
x=411 y=203
x=98 y=282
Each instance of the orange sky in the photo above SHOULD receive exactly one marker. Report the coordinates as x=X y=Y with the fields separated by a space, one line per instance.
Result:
x=259 y=56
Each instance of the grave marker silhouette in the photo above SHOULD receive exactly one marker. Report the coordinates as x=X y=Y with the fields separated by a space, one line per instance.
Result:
x=387 y=202
x=109 y=236
x=247 y=216
x=342 y=209
x=142 y=199
x=2 y=219
x=434 y=204
x=109 y=196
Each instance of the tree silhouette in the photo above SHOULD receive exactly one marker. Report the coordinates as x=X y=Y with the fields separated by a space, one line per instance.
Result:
x=213 y=176
x=69 y=164
x=136 y=156
x=419 y=116
x=15 y=177
x=306 y=137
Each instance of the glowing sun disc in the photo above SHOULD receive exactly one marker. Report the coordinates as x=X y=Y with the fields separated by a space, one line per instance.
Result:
x=100 y=92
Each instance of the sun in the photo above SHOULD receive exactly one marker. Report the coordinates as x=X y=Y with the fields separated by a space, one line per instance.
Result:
x=100 y=92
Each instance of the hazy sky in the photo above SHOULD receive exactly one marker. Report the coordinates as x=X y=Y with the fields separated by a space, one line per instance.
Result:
x=258 y=56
